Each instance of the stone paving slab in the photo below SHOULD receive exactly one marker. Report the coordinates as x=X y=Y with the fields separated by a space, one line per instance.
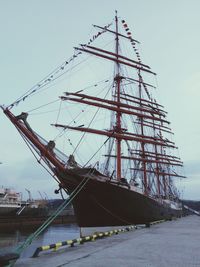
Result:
x=174 y=243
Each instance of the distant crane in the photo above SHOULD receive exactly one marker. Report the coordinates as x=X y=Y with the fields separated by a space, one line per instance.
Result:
x=40 y=195
x=29 y=195
x=47 y=198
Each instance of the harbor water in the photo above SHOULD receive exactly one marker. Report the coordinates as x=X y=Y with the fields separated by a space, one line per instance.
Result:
x=9 y=240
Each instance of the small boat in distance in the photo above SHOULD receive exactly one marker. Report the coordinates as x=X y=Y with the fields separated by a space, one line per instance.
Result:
x=117 y=149
x=12 y=205
x=10 y=201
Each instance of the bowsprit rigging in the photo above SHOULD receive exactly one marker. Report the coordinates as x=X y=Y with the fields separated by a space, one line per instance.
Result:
x=117 y=130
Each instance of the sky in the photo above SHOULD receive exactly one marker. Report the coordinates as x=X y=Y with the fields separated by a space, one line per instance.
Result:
x=36 y=36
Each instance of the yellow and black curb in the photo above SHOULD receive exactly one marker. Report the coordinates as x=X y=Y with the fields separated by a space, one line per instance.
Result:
x=84 y=239
x=156 y=222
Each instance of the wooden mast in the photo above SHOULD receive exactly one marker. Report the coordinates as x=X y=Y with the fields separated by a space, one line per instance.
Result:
x=145 y=181
x=157 y=165
x=118 y=113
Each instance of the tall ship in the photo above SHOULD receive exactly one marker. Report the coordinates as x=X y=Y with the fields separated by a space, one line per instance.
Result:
x=104 y=137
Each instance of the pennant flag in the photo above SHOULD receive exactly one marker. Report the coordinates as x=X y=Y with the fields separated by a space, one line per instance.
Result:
x=125 y=25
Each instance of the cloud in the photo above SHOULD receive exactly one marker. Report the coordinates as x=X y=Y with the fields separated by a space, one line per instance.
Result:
x=28 y=174
x=192 y=167
x=190 y=187
x=192 y=85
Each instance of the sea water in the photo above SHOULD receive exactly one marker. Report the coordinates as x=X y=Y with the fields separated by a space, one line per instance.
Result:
x=9 y=240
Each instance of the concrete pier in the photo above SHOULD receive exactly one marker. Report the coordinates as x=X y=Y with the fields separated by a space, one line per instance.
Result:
x=173 y=243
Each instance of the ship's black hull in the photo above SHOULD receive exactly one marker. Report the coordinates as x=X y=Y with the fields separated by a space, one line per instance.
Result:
x=101 y=203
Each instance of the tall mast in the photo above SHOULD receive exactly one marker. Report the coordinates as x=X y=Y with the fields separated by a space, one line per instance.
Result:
x=118 y=113
x=157 y=165
x=145 y=181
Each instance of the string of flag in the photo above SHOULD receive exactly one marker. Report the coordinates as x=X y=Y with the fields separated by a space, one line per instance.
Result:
x=129 y=35
x=49 y=78
x=99 y=33
x=59 y=71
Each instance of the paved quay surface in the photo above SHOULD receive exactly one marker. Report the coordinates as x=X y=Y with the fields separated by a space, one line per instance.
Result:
x=174 y=243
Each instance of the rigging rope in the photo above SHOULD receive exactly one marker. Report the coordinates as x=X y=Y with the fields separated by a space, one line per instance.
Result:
x=32 y=148
x=90 y=123
x=49 y=78
x=55 y=74
x=52 y=102
x=98 y=149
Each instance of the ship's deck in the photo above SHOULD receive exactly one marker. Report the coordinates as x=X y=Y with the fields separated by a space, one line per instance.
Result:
x=172 y=243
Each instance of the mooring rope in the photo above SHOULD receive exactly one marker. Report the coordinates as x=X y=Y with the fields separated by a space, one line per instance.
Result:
x=30 y=238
